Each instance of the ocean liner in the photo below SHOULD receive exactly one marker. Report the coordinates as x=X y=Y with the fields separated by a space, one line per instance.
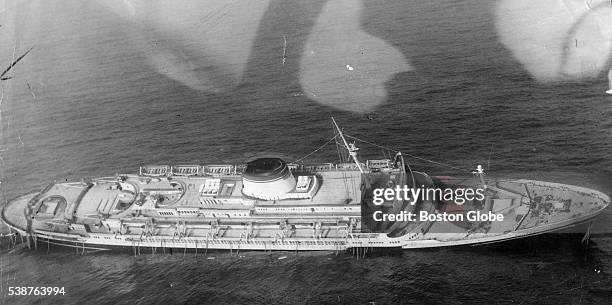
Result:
x=270 y=204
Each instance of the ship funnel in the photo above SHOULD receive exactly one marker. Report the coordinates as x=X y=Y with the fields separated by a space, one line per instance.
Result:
x=267 y=178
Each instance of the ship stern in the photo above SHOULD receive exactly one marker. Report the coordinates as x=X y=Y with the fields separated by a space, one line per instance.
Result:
x=14 y=213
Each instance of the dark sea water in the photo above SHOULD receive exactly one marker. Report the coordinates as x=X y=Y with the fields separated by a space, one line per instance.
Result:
x=98 y=104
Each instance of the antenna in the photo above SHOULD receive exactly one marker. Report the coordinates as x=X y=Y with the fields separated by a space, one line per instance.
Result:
x=352 y=149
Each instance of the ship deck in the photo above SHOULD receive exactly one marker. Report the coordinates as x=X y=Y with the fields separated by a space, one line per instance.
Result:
x=88 y=209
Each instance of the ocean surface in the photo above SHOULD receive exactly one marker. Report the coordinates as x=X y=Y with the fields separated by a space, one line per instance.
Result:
x=108 y=88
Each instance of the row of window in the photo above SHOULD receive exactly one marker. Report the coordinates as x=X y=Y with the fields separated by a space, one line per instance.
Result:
x=308 y=243
x=231 y=242
x=280 y=210
x=166 y=213
x=205 y=214
x=98 y=237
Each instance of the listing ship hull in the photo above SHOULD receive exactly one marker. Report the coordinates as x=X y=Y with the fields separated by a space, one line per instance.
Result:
x=270 y=205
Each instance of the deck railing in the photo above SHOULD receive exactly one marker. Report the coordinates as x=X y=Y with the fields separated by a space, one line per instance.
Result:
x=228 y=169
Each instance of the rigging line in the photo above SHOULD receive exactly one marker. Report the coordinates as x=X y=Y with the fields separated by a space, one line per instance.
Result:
x=319 y=148
x=341 y=160
x=411 y=172
x=438 y=163
x=337 y=147
x=374 y=144
x=409 y=155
